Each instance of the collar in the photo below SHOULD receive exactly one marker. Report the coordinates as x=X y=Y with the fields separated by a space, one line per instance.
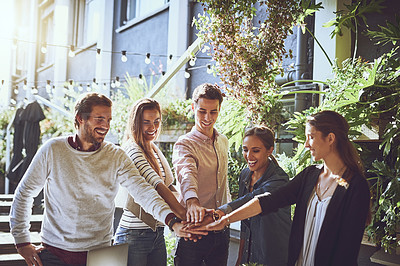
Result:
x=203 y=137
x=75 y=143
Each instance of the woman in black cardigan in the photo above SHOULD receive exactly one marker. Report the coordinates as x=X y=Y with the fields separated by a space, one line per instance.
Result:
x=332 y=199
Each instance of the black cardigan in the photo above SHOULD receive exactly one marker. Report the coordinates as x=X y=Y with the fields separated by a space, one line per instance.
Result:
x=344 y=223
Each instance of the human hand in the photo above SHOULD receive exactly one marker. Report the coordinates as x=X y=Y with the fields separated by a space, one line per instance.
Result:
x=215 y=226
x=208 y=218
x=179 y=229
x=31 y=254
x=195 y=213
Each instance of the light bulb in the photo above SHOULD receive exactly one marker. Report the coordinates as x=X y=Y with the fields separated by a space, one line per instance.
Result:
x=147 y=60
x=71 y=52
x=43 y=49
x=192 y=62
x=187 y=74
x=80 y=88
x=16 y=91
x=112 y=84
x=117 y=82
x=34 y=90
x=123 y=56
x=209 y=69
x=12 y=101
x=104 y=86
x=98 y=50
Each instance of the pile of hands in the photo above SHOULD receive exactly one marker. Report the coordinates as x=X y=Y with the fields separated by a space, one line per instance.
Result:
x=199 y=221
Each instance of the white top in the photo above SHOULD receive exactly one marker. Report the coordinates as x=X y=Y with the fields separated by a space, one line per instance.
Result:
x=79 y=191
x=314 y=218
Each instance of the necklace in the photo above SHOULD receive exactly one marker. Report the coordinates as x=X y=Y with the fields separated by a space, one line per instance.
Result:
x=321 y=195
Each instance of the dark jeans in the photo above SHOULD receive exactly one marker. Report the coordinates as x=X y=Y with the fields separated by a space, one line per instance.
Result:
x=146 y=247
x=49 y=259
x=212 y=250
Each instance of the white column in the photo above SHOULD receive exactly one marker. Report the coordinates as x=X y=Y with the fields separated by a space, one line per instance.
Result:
x=7 y=13
x=104 y=42
x=178 y=31
x=337 y=48
x=31 y=60
x=61 y=48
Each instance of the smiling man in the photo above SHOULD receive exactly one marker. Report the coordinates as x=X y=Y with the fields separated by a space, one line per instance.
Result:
x=200 y=159
x=80 y=175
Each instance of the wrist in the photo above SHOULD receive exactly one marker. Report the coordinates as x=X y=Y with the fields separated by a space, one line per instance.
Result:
x=192 y=201
x=172 y=222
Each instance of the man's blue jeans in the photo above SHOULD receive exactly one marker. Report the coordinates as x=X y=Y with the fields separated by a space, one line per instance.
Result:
x=212 y=250
x=146 y=247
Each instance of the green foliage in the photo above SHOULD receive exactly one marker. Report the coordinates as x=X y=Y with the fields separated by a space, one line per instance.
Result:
x=170 y=242
x=178 y=114
x=6 y=117
x=249 y=56
x=236 y=164
x=386 y=190
x=388 y=34
x=354 y=14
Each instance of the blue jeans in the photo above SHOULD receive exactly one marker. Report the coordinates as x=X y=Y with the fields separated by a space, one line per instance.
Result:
x=212 y=250
x=146 y=247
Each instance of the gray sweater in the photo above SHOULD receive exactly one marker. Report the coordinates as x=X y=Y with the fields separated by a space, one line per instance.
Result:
x=79 y=191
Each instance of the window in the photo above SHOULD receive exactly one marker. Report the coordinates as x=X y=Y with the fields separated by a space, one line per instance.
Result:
x=46 y=52
x=86 y=22
x=131 y=9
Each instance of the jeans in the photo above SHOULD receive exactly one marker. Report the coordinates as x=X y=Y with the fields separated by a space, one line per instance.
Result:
x=210 y=250
x=146 y=247
x=49 y=259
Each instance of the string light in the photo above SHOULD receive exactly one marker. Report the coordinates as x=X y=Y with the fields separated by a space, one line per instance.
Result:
x=104 y=86
x=16 y=90
x=80 y=88
x=88 y=87
x=71 y=52
x=25 y=87
x=43 y=49
x=123 y=56
x=209 y=69
x=140 y=80
x=98 y=50
x=192 y=61
x=94 y=84
x=34 y=90
x=12 y=101
x=187 y=74
x=169 y=61
x=71 y=86
x=117 y=82
x=147 y=60
x=48 y=87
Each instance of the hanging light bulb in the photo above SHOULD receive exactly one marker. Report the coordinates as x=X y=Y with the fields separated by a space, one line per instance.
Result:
x=98 y=50
x=163 y=73
x=80 y=88
x=88 y=87
x=169 y=61
x=16 y=91
x=140 y=80
x=147 y=60
x=34 y=90
x=112 y=84
x=71 y=52
x=123 y=56
x=104 y=86
x=94 y=84
x=192 y=61
x=43 y=49
x=209 y=69
x=117 y=82
x=25 y=87
x=71 y=86
x=187 y=74
x=12 y=101
x=54 y=89
x=48 y=87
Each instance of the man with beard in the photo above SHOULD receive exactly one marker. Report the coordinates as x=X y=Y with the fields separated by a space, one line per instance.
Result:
x=80 y=176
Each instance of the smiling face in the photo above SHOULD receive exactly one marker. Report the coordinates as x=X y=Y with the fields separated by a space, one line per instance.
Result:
x=206 y=113
x=150 y=124
x=91 y=132
x=319 y=146
x=256 y=154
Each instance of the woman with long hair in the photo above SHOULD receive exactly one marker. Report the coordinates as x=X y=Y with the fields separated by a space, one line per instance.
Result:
x=332 y=199
x=263 y=239
x=144 y=234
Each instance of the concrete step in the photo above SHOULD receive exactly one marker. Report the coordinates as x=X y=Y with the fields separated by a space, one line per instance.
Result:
x=36 y=222
x=12 y=260
x=7 y=242
x=385 y=258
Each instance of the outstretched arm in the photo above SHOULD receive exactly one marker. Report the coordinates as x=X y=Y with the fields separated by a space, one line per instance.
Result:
x=171 y=200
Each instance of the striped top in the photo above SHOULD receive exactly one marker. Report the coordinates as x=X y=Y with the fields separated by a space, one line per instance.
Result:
x=128 y=219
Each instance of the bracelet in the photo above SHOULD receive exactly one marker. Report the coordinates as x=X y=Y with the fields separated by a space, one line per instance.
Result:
x=215 y=216
x=173 y=221
x=227 y=219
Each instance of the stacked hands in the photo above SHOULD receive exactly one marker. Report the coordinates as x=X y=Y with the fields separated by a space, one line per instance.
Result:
x=199 y=221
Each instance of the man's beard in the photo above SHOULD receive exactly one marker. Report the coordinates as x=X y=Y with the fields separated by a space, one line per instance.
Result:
x=89 y=136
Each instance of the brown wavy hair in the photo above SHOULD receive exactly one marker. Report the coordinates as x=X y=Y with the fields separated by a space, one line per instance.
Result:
x=134 y=129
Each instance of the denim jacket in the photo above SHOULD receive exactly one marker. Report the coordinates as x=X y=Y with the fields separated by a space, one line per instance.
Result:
x=266 y=237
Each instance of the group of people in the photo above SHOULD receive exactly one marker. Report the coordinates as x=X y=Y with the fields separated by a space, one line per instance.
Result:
x=81 y=175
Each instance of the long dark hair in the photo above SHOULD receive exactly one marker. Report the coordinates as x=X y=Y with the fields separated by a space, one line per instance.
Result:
x=134 y=129
x=331 y=122
x=266 y=135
